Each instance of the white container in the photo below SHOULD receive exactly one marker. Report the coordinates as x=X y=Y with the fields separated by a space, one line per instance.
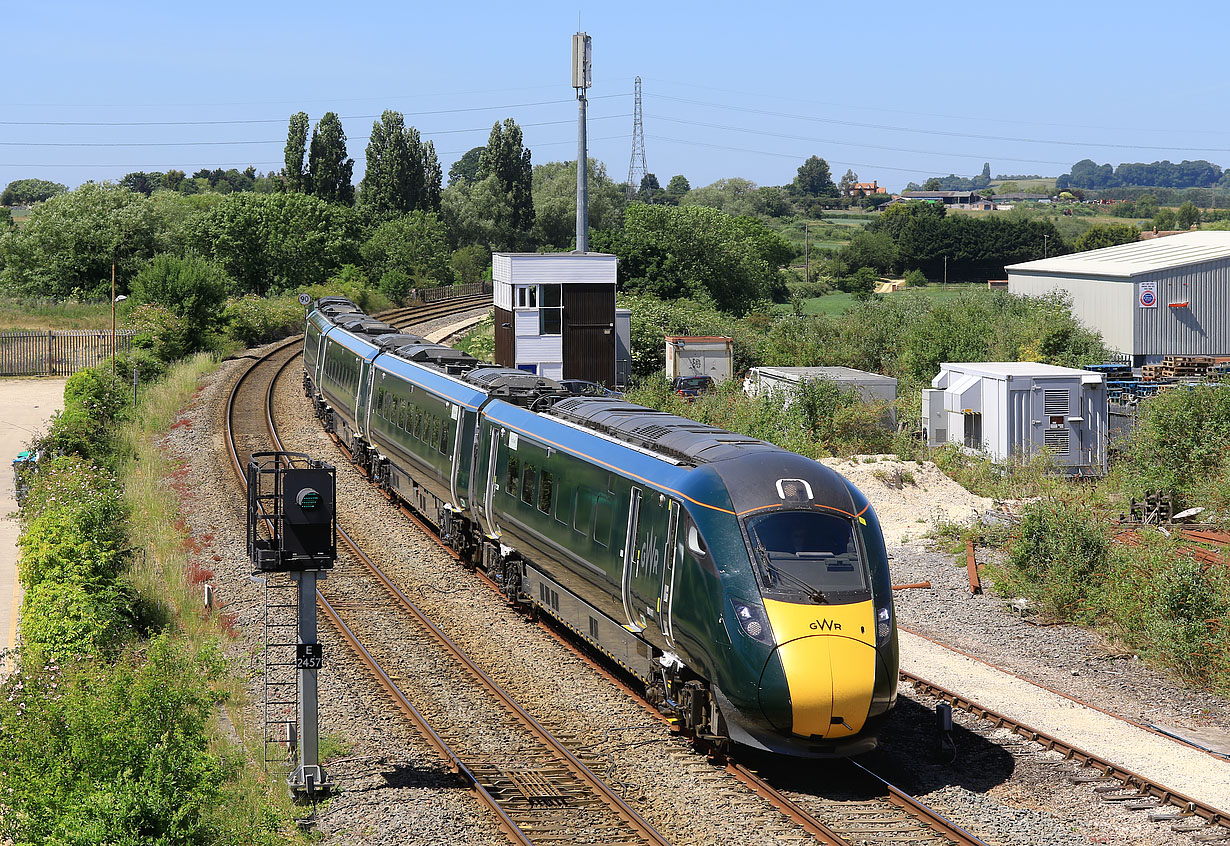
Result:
x=702 y=355
x=871 y=387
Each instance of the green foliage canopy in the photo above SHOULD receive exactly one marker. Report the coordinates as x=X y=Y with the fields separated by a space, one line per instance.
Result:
x=695 y=251
x=27 y=192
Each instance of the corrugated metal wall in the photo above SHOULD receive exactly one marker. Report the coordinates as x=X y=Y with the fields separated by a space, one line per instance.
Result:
x=1200 y=328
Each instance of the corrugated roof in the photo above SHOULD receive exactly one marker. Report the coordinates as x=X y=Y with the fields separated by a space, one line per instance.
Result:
x=1128 y=260
x=1012 y=368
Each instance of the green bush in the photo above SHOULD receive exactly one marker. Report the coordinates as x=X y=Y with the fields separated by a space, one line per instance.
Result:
x=91 y=753
x=253 y=320
x=396 y=284
x=161 y=331
x=99 y=393
x=67 y=620
x=1058 y=554
x=191 y=287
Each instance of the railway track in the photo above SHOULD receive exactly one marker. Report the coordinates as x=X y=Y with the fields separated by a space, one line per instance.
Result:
x=539 y=790
x=1113 y=782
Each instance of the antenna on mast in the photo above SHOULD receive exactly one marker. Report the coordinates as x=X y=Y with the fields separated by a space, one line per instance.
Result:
x=582 y=78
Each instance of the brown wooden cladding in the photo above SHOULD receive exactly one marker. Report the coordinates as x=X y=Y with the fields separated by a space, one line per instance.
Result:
x=505 y=338
x=589 y=333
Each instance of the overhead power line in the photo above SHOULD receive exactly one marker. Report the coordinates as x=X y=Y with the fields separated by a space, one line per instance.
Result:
x=943 y=132
x=261 y=141
x=948 y=153
x=281 y=120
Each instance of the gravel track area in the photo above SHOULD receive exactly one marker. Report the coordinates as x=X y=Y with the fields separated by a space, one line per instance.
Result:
x=395 y=790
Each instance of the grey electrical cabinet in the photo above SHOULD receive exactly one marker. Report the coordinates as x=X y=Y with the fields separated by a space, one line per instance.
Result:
x=1018 y=410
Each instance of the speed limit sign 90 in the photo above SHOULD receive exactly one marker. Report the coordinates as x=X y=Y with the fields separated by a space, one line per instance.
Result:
x=304 y=299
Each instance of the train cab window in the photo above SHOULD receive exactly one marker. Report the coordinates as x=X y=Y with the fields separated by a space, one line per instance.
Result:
x=513 y=482
x=545 y=491
x=529 y=484
x=603 y=522
x=799 y=553
x=583 y=517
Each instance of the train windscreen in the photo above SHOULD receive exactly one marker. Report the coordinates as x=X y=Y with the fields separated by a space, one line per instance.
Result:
x=807 y=556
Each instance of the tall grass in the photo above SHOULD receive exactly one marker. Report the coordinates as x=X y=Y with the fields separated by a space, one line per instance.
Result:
x=54 y=314
x=255 y=809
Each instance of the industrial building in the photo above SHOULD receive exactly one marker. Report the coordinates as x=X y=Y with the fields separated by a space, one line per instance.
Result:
x=1149 y=299
x=1014 y=410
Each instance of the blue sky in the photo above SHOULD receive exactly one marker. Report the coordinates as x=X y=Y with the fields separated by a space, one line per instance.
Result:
x=895 y=91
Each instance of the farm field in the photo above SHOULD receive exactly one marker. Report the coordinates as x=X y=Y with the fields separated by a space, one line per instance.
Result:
x=17 y=314
x=835 y=304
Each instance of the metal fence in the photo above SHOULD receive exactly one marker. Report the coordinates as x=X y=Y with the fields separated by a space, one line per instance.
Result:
x=57 y=352
x=449 y=292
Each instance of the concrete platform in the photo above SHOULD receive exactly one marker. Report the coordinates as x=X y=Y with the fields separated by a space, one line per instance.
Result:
x=25 y=407
x=1176 y=765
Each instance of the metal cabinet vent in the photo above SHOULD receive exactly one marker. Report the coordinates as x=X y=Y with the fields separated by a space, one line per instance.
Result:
x=1056 y=440
x=1056 y=402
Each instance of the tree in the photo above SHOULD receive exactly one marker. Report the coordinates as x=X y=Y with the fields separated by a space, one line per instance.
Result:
x=27 y=192
x=1188 y=215
x=861 y=283
x=273 y=242
x=507 y=161
x=814 y=179
x=1107 y=235
x=555 y=202
x=1164 y=219
x=735 y=196
x=932 y=184
x=1146 y=206
x=414 y=244
x=465 y=169
x=695 y=251
x=869 y=249
x=329 y=168
x=847 y=183
x=67 y=244
x=432 y=179
x=677 y=188
x=296 y=144
x=191 y=287
x=649 y=191
x=393 y=181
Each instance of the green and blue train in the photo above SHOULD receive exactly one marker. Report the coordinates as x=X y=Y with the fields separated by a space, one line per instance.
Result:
x=746 y=587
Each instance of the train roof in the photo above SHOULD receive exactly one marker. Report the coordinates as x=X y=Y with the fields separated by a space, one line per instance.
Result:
x=667 y=434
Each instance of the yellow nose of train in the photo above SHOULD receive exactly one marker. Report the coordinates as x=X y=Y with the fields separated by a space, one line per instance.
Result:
x=827 y=653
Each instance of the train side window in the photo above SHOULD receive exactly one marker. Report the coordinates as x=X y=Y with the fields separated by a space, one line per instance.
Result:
x=564 y=504
x=583 y=516
x=545 y=492
x=603 y=522
x=513 y=482
x=417 y=425
x=435 y=432
x=529 y=484
x=444 y=433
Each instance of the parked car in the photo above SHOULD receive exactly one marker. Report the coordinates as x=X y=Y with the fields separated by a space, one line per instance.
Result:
x=691 y=387
x=582 y=388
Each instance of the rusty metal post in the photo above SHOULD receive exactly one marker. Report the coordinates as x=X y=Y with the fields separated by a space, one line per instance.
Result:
x=971 y=566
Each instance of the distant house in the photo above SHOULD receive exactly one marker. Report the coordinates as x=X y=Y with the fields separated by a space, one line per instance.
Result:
x=865 y=189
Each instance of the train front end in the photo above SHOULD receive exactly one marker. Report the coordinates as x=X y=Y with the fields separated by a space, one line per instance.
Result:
x=813 y=638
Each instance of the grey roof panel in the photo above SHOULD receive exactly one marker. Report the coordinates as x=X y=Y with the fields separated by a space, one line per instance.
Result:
x=1127 y=260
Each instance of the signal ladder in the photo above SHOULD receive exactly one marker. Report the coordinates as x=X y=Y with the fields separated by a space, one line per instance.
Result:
x=281 y=674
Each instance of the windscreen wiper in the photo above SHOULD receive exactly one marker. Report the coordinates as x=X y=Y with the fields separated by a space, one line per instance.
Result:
x=772 y=571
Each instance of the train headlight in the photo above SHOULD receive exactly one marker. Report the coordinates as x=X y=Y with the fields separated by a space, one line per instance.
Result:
x=751 y=620
x=884 y=625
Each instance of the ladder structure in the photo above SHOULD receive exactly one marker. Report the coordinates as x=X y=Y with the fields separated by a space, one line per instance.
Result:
x=281 y=674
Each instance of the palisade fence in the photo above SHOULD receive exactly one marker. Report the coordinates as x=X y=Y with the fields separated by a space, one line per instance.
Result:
x=449 y=292
x=57 y=352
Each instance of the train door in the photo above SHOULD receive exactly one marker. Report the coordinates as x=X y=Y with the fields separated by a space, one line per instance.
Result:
x=363 y=416
x=647 y=583
x=630 y=559
x=666 y=597
x=488 y=508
